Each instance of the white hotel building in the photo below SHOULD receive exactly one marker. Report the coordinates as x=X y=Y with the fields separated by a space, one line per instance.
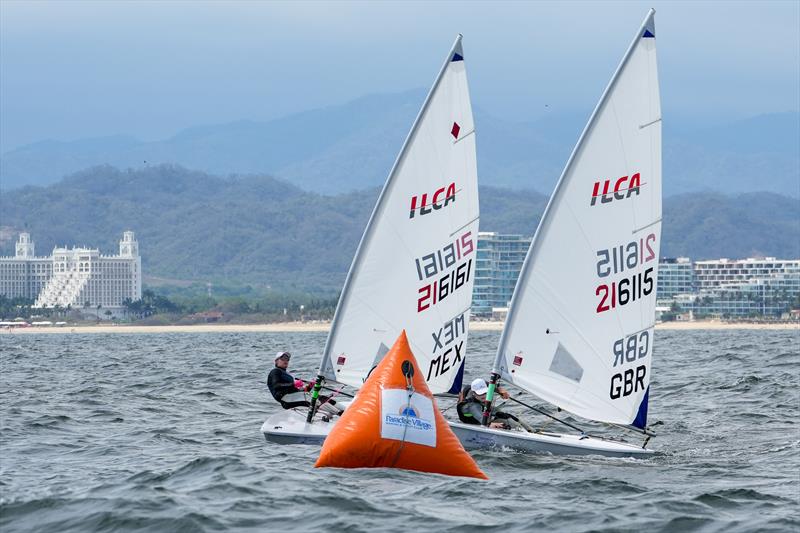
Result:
x=77 y=277
x=730 y=287
x=780 y=274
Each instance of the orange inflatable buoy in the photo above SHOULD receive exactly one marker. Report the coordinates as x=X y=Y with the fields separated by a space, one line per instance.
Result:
x=394 y=423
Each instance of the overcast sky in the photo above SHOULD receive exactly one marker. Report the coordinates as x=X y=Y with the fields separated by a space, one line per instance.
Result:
x=70 y=70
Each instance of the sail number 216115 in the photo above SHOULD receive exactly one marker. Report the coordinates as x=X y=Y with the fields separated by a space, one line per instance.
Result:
x=618 y=260
x=624 y=291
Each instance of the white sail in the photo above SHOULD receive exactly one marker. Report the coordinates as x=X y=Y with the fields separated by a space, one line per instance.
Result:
x=414 y=268
x=580 y=329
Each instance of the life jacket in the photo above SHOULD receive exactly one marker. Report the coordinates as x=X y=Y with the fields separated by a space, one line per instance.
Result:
x=468 y=409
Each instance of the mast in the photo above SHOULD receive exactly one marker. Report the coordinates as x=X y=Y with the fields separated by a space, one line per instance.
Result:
x=530 y=258
x=367 y=235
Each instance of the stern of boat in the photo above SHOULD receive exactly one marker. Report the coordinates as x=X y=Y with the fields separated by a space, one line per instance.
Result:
x=290 y=427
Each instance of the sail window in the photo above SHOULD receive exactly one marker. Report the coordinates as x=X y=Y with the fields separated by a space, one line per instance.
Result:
x=565 y=365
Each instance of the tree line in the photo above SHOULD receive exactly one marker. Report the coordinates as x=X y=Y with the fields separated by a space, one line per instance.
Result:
x=186 y=306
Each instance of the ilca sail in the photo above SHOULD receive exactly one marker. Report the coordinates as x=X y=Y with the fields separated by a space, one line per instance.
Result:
x=579 y=333
x=415 y=266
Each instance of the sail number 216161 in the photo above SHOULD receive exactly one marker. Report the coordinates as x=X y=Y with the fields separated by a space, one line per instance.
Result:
x=449 y=268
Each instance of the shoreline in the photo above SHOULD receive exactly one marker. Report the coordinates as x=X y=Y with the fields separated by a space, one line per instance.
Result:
x=322 y=327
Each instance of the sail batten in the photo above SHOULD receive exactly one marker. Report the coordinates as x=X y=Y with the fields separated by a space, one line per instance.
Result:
x=414 y=266
x=580 y=326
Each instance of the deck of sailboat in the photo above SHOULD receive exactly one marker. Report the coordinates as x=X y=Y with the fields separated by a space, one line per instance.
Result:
x=290 y=427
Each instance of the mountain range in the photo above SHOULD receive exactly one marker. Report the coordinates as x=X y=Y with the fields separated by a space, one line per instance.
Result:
x=193 y=226
x=351 y=147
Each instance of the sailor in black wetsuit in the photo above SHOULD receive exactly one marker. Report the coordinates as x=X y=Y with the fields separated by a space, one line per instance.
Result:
x=290 y=392
x=470 y=405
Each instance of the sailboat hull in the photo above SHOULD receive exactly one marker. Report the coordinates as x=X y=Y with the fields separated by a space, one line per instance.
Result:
x=474 y=437
x=290 y=427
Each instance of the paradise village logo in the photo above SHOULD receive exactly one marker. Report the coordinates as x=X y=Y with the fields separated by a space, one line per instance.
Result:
x=408 y=419
x=409 y=416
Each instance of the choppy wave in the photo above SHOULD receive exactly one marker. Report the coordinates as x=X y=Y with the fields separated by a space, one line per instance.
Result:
x=161 y=433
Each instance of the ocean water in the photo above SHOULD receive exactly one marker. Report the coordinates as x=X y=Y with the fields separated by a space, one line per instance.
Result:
x=160 y=432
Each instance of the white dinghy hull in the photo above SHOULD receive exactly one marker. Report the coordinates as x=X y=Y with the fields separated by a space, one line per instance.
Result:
x=290 y=427
x=474 y=437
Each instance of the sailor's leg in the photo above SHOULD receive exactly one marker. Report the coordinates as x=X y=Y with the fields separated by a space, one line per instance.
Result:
x=515 y=423
x=294 y=399
x=329 y=406
x=509 y=421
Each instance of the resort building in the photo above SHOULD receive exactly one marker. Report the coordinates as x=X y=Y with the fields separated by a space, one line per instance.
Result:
x=675 y=276
x=497 y=266
x=728 y=273
x=730 y=288
x=24 y=275
x=76 y=277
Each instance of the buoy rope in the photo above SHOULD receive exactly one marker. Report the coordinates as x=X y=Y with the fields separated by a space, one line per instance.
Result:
x=408 y=372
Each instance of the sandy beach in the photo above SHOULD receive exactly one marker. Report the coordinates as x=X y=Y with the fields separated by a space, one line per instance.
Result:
x=325 y=326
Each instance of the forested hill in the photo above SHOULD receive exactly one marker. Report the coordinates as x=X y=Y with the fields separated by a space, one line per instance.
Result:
x=259 y=230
